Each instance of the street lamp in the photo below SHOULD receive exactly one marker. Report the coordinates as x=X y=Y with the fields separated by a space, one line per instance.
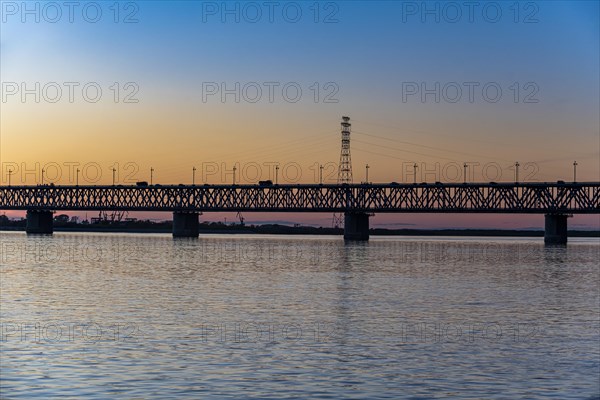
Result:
x=415 y=172
x=151 y=175
x=77 y=179
x=517 y=172
x=43 y=176
x=113 y=171
x=367 y=173
x=276 y=173
x=234 y=169
x=321 y=174
x=575 y=171
x=465 y=171
x=9 y=174
x=193 y=176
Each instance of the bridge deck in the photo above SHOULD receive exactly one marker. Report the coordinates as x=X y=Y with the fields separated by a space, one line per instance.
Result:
x=580 y=198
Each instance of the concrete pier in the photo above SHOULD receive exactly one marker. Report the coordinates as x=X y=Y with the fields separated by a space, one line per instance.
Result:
x=185 y=224
x=356 y=226
x=555 y=231
x=39 y=222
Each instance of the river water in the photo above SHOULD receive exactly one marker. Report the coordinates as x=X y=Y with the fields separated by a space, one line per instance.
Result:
x=102 y=316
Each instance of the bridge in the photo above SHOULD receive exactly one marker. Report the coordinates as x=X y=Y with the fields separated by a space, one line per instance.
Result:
x=557 y=201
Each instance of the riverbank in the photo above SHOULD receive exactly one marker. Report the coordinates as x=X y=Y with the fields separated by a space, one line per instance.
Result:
x=304 y=230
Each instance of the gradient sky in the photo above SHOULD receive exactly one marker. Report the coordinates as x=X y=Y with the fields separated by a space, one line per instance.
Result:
x=368 y=51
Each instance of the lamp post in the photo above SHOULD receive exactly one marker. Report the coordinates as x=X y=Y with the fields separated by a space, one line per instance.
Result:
x=234 y=169
x=465 y=172
x=415 y=172
x=9 y=174
x=113 y=171
x=151 y=175
x=367 y=173
x=575 y=171
x=77 y=179
x=276 y=173
x=321 y=174
x=517 y=172
x=193 y=176
x=43 y=176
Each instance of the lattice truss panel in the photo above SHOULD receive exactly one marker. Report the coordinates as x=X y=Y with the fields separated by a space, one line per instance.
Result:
x=489 y=198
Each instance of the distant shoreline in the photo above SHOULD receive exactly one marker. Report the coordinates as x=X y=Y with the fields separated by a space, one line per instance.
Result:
x=287 y=230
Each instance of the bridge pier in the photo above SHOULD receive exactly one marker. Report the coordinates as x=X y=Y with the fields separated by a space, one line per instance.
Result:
x=356 y=226
x=555 y=231
x=185 y=224
x=39 y=222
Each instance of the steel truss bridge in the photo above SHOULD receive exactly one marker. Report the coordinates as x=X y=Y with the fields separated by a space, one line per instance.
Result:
x=540 y=198
x=357 y=201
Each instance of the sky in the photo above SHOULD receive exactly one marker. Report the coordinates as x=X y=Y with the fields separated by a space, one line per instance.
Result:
x=170 y=86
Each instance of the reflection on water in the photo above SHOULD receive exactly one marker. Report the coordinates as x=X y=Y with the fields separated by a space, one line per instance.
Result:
x=146 y=316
